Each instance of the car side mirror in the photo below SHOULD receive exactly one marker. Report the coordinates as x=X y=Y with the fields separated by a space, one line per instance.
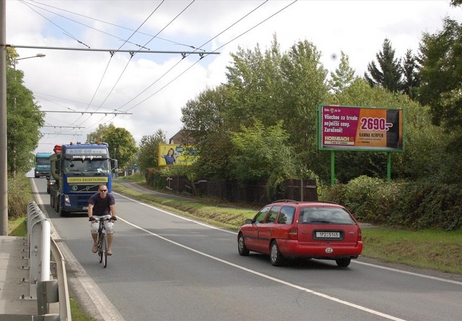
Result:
x=248 y=221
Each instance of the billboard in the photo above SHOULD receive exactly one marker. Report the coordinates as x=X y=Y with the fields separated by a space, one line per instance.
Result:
x=360 y=128
x=174 y=154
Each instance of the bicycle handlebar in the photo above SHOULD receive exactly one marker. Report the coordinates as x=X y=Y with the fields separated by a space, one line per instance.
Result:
x=112 y=218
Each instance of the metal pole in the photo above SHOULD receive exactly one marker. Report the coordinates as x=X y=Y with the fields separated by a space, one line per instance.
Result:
x=3 y=122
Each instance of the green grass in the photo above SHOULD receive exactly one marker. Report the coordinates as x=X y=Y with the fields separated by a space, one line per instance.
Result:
x=17 y=227
x=77 y=313
x=427 y=249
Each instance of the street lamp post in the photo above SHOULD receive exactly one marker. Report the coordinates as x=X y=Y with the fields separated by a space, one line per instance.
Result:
x=15 y=60
x=39 y=55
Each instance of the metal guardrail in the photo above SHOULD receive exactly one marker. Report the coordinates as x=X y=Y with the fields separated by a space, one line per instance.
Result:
x=43 y=286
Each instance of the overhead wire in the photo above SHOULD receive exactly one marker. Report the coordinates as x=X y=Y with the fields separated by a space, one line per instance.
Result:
x=171 y=21
x=41 y=5
x=220 y=33
x=240 y=35
x=194 y=47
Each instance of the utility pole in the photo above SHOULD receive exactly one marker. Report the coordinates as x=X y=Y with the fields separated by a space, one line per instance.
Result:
x=3 y=122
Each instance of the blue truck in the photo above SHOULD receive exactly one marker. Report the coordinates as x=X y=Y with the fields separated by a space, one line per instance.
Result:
x=42 y=164
x=78 y=170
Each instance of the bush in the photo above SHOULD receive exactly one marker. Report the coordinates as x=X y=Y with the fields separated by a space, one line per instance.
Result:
x=415 y=205
x=19 y=195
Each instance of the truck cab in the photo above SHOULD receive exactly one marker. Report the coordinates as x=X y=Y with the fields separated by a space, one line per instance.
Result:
x=79 y=169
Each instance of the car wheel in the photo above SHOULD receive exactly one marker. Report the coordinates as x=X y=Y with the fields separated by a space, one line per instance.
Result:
x=343 y=262
x=276 y=258
x=242 y=249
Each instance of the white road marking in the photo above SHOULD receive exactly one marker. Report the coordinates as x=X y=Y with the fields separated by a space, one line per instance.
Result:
x=322 y=295
x=409 y=273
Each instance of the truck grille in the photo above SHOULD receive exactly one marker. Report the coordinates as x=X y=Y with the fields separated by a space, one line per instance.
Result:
x=85 y=188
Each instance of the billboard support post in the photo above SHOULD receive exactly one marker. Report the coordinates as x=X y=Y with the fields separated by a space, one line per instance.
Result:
x=353 y=128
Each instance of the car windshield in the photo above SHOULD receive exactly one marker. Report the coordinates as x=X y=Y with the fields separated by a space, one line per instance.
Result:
x=324 y=215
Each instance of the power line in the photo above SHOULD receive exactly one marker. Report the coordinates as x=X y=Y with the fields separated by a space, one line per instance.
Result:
x=87 y=112
x=102 y=21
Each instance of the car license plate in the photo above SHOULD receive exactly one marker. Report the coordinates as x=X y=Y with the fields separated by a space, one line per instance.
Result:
x=328 y=235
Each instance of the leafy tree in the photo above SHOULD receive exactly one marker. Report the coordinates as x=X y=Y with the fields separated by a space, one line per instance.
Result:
x=263 y=154
x=122 y=145
x=343 y=76
x=303 y=90
x=100 y=133
x=254 y=87
x=24 y=120
x=149 y=150
x=206 y=123
x=441 y=74
x=123 y=142
x=388 y=75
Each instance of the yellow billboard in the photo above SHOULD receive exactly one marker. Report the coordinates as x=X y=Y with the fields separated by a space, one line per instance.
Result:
x=174 y=154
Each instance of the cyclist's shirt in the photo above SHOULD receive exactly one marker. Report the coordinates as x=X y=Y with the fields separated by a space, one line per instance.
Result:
x=101 y=205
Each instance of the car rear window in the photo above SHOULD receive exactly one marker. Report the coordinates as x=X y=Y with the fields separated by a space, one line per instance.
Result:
x=324 y=215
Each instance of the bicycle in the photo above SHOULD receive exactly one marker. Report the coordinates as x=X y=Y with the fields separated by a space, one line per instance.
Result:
x=101 y=238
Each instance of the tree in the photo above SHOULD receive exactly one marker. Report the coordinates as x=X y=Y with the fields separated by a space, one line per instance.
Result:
x=207 y=125
x=343 y=76
x=263 y=154
x=24 y=120
x=441 y=74
x=411 y=81
x=100 y=133
x=388 y=75
x=149 y=150
x=121 y=141
x=122 y=145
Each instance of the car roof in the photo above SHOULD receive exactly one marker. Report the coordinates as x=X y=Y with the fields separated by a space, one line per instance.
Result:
x=306 y=203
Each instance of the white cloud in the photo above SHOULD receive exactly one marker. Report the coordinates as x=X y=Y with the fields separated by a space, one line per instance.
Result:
x=92 y=81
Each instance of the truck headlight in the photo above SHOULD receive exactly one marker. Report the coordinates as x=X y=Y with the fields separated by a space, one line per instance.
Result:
x=67 y=200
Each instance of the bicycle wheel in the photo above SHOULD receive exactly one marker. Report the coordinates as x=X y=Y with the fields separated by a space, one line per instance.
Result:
x=100 y=247
x=104 y=250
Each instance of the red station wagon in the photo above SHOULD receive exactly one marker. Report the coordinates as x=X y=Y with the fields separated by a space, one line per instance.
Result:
x=314 y=230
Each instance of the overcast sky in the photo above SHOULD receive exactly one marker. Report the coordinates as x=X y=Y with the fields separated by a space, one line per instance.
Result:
x=151 y=88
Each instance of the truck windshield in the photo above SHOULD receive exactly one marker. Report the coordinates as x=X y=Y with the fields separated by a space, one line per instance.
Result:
x=42 y=161
x=87 y=166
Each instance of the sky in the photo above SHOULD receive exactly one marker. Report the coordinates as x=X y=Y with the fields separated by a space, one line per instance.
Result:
x=143 y=63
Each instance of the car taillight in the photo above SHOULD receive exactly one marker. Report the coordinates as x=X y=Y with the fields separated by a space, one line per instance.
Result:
x=360 y=235
x=293 y=233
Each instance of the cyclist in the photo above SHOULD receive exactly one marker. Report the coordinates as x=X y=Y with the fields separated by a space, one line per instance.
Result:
x=102 y=204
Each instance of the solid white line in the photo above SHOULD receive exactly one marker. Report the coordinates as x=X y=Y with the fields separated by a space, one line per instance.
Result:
x=409 y=273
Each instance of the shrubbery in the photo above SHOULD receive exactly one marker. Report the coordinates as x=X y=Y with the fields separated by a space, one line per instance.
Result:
x=416 y=205
x=19 y=196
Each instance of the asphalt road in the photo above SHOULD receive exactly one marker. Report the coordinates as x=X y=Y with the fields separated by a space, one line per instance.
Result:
x=166 y=267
